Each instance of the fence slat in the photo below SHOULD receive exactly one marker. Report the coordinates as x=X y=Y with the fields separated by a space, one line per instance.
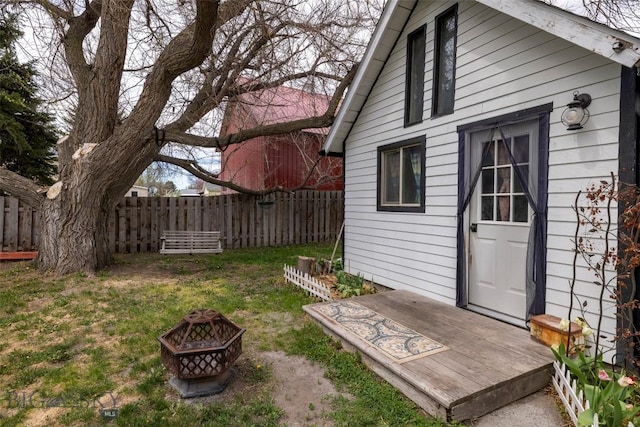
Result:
x=154 y=213
x=271 y=221
x=255 y=218
x=132 y=212
x=228 y=221
x=567 y=392
x=3 y=201
x=13 y=218
x=25 y=228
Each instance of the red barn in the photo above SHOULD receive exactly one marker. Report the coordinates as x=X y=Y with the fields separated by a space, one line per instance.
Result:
x=278 y=161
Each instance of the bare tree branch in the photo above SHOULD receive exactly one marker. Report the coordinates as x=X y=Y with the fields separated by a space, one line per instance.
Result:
x=255 y=86
x=79 y=27
x=195 y=169
x=325 y=120
x=621 y=14
x=151 y=11
x=261 y=130
x=186 y=51
x=103 y=91
x=54 y=10
x=206 y=98
x=22 y=188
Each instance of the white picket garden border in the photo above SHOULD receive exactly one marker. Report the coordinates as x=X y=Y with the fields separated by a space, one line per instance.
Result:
x=308 y=283
x=567 y=388
x=574 y=401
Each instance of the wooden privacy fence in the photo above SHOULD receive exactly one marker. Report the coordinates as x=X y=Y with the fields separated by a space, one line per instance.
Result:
x=19 y=226
x=244 y=221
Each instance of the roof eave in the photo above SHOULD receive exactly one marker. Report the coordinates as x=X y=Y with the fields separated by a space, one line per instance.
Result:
x=390 y=25
x=610 y=43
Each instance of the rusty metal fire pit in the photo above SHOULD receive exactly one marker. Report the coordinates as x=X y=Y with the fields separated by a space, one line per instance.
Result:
x=201 y=349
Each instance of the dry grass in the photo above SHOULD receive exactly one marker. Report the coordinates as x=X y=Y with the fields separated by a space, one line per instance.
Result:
x=79 y=337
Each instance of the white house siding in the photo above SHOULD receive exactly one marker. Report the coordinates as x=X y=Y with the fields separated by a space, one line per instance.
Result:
x=503 y=66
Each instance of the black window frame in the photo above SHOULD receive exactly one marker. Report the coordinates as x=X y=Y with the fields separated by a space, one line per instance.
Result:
x=417 y=141
x=438 y=61
x=415 y=66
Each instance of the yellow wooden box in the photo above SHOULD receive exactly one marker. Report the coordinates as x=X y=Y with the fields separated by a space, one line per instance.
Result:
x=545 y=328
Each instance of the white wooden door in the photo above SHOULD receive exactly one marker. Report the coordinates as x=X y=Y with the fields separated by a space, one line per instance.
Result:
x=499 y=219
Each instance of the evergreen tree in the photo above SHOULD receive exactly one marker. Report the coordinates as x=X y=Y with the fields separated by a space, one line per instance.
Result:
x=27 y=135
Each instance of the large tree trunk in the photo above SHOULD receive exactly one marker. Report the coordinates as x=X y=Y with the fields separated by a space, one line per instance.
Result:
x=104 y=153
x=73 y=235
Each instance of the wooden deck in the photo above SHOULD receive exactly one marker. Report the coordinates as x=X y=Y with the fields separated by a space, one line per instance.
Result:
x=488 y=364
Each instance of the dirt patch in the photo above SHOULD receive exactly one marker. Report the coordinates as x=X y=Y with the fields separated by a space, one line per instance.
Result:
x=39 y=303
x=297 y=385
x=301 y=390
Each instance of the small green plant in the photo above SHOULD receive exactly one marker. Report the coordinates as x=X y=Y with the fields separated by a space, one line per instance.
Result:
x=349 y=285
x=321 y=265
x=258 y=372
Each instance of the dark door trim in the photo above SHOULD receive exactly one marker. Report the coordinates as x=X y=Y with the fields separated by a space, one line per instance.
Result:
x=539 y=267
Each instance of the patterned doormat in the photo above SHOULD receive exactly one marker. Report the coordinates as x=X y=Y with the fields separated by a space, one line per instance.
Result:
x=397 y=341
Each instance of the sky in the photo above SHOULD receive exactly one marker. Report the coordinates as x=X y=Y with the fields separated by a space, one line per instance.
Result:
x=183 y=179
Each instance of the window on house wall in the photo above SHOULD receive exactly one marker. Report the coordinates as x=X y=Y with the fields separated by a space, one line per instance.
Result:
x=414 y=87
x=401 y=176
x=444 y=83
x=502 y=195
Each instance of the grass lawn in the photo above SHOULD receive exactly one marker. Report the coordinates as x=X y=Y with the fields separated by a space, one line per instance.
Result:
x=71 y=344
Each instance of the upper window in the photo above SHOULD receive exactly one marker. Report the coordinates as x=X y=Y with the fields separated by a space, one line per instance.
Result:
x=401 y=171
x=414 y=87
x=444 y=83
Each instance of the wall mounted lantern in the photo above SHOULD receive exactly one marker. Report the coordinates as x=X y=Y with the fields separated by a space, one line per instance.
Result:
x=576 y=113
